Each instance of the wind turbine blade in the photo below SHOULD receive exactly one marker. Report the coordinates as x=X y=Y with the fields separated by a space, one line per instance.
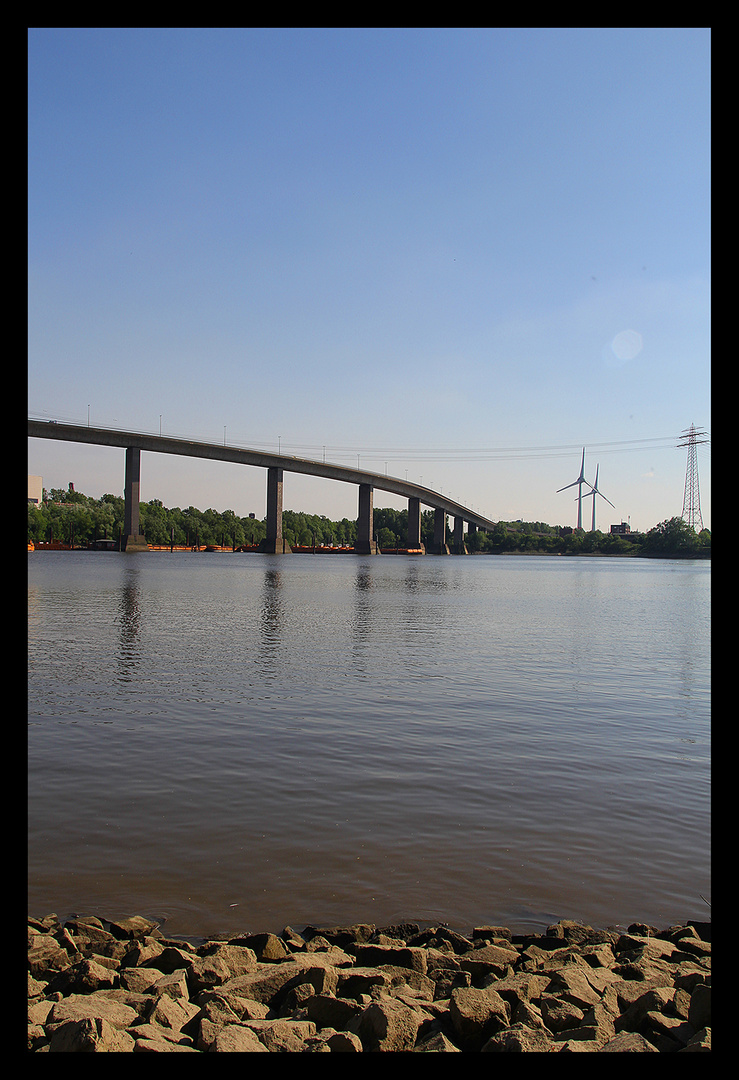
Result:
x=574 y=484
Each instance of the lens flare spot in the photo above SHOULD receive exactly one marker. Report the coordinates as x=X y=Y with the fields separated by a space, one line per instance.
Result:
x=626 y=345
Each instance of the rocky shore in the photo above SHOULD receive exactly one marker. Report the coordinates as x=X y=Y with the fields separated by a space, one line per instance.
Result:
x=101 y=986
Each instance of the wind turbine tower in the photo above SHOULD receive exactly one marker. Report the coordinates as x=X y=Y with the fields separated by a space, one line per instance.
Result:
x=594 y=491
x=692 y=497
x=578 y=483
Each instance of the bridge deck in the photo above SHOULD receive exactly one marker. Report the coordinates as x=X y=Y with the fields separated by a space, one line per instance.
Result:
x=162 y=444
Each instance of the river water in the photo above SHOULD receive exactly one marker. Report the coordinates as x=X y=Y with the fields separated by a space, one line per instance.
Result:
x=236 y=742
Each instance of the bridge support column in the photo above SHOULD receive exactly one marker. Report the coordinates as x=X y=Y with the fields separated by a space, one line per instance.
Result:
x=440 y=544
x=458 y=544
x=414 y=524
x=132 y=538
x=366 y=544
x=274 y=544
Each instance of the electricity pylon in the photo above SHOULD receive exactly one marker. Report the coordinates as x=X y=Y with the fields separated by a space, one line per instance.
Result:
x=692 y=438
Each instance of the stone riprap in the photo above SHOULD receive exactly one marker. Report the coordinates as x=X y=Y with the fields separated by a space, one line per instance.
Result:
x=122 y=986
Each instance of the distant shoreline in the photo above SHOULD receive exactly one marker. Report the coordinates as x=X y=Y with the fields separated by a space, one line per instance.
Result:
x=693 y=557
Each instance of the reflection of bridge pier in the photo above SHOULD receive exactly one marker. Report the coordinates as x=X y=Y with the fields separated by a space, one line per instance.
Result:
x=134 y=442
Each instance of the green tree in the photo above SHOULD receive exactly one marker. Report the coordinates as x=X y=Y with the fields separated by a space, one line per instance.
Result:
x=38 y=523
x=71 y=523
x=386 y=538
x=572 y=543
x=153 y=522
x=104 y=520
x=591 y=541
x=672 y=537
x=476 y=541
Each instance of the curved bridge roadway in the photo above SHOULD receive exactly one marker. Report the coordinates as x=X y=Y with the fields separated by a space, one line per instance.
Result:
x=276 y=465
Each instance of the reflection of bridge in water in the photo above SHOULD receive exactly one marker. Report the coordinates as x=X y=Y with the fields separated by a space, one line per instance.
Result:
x=276 y=465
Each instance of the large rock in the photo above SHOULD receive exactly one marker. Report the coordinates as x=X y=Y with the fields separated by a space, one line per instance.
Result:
x=237 y=959
x=699 y=1013
x=91 y=1035
x=477 y=1015
x=265 y=983
x=387 y=1026
x=91 y=1007
x=283 y=1036
x=488 y=958
x=326 y=1010
x=519 y=1039
x=134 y=927
x=264 y=947
x=84 y=977
x=237 y=1038
x=628 y=1042
x=403 y=956
x=172 y=1013
x=46 y=956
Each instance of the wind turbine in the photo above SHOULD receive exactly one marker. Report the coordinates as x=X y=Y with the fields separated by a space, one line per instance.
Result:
x=594 y=491
x=578 y=483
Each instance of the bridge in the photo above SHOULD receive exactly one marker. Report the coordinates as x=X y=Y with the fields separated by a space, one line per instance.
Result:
x=276 y=465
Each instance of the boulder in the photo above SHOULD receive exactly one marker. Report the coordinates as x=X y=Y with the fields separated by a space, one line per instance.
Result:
x=264 y=947
x=628 y=1042
x=90 y=1035
x=519 y=1039
x=237 y=1038
x=133 y=927
x=387 y=1026
x=404 y=956
x=326 y=1010
x=282 y=1035
x=476 y=1015
x=699 y=1010
x=172 y=1013
x=84 y=977
x=90 y=1007
x=46 y=956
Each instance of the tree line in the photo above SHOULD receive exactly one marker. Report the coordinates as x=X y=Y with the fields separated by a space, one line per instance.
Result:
x=77 y=520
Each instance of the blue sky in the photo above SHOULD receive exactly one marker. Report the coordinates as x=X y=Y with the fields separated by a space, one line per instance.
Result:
x=461 y=254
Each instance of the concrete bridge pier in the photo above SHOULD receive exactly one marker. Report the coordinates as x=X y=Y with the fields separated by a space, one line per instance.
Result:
x=414 y=524
x=458 y=546
x=366 y=543
x=132 y=540
x=274 y=544
x=440 y=544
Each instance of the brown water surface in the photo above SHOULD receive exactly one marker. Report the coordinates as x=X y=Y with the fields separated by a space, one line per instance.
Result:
x=238 y=741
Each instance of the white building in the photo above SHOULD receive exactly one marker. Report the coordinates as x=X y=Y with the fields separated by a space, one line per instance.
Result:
x=35 y=490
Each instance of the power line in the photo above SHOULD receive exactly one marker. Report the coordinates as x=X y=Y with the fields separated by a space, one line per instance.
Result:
x=486 y=453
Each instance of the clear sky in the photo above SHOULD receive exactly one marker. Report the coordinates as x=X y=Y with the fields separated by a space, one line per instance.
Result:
x=455 y=255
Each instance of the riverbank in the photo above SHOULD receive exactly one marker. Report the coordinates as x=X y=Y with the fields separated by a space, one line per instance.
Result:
x=123 y=986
